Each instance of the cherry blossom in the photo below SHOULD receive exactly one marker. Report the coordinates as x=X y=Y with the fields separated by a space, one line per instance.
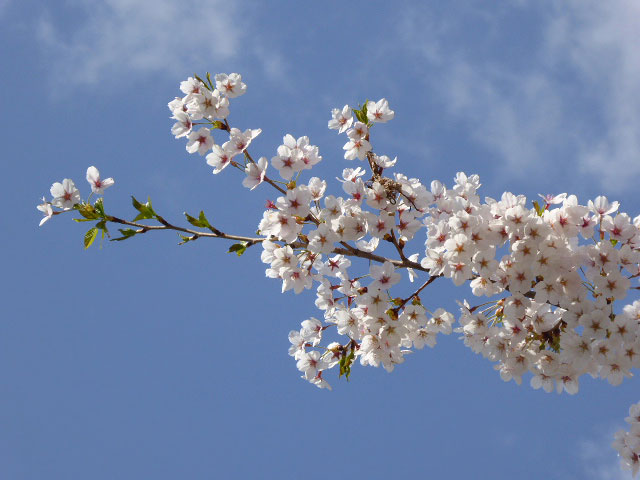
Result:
x=45 y=208
x=560 y=280
x=97 y=184
x=65 y=195
x=239 y=141
x=230 y=85
x=255 y=173
x=207 y=104
x=183 y=124
x=342 y=119
x=220 y=157
x=379 y=111
x=199 y=141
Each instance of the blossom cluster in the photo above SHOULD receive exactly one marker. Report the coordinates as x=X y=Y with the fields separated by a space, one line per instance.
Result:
x=628 y=443
x=66 y=195
x=557 y=315
x=556 y=274
x=555 y=310
x=207 y=103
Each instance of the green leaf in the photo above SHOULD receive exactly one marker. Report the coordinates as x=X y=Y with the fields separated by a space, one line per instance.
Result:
x=239 y=248
x=87 y=211
x=192 y=220
x=201 y=221
x=361 y=114
x=345 y=364
x=90 y=236
x=126 y=233
x=186 y=239
x=539 y=209
x=362 y=117
x=99 y=206
x=145 y=209
x=202 y=81
x=614 y=242
x=102 y=225
x=136 y=204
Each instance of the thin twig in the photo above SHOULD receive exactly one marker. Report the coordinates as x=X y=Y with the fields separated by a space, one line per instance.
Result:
x=167 y=226
x=415 y=294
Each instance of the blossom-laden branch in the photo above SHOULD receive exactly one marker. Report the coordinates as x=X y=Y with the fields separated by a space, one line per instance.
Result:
x=556 y=274
x=146 y=212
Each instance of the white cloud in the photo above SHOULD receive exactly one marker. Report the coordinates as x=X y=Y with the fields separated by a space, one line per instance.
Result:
x=599 y=460
x=274 y=65
x=510 y=114
x=122 y=40
x=573 y=106
x=601 y=40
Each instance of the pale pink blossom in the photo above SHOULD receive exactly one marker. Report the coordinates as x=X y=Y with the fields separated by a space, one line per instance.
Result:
x=65 y=194
x=255 y=173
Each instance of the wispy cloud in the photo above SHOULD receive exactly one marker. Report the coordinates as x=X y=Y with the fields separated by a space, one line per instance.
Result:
x=601 y=41
x=599 y=459
x=126 y=40
x=573 y=105
x=3 y=6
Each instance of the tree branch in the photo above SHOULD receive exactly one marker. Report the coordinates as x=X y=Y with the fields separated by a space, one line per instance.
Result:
x=167 y=226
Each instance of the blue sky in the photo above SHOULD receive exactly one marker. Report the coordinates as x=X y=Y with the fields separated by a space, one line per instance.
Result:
x=144 y=359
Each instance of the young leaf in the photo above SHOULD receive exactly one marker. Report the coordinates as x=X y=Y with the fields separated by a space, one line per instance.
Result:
x=90 y=236
x=145 y=209
x=149 y=206
x=186 y=239
x=345 y=364
x=87 y=211
x=201 y=81
x=102 y=225
x=192 y=220
x=364 y=112
x=539 y=209
x=136 y=204
x=126 y=233
x=99 y=206
x=361 y=115
x=201 y=221
x=239 y=248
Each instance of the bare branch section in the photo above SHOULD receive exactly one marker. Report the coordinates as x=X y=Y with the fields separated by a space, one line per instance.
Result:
x=168 y=226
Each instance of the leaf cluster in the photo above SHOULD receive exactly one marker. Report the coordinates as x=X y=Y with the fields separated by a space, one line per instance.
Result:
x=89 y=213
